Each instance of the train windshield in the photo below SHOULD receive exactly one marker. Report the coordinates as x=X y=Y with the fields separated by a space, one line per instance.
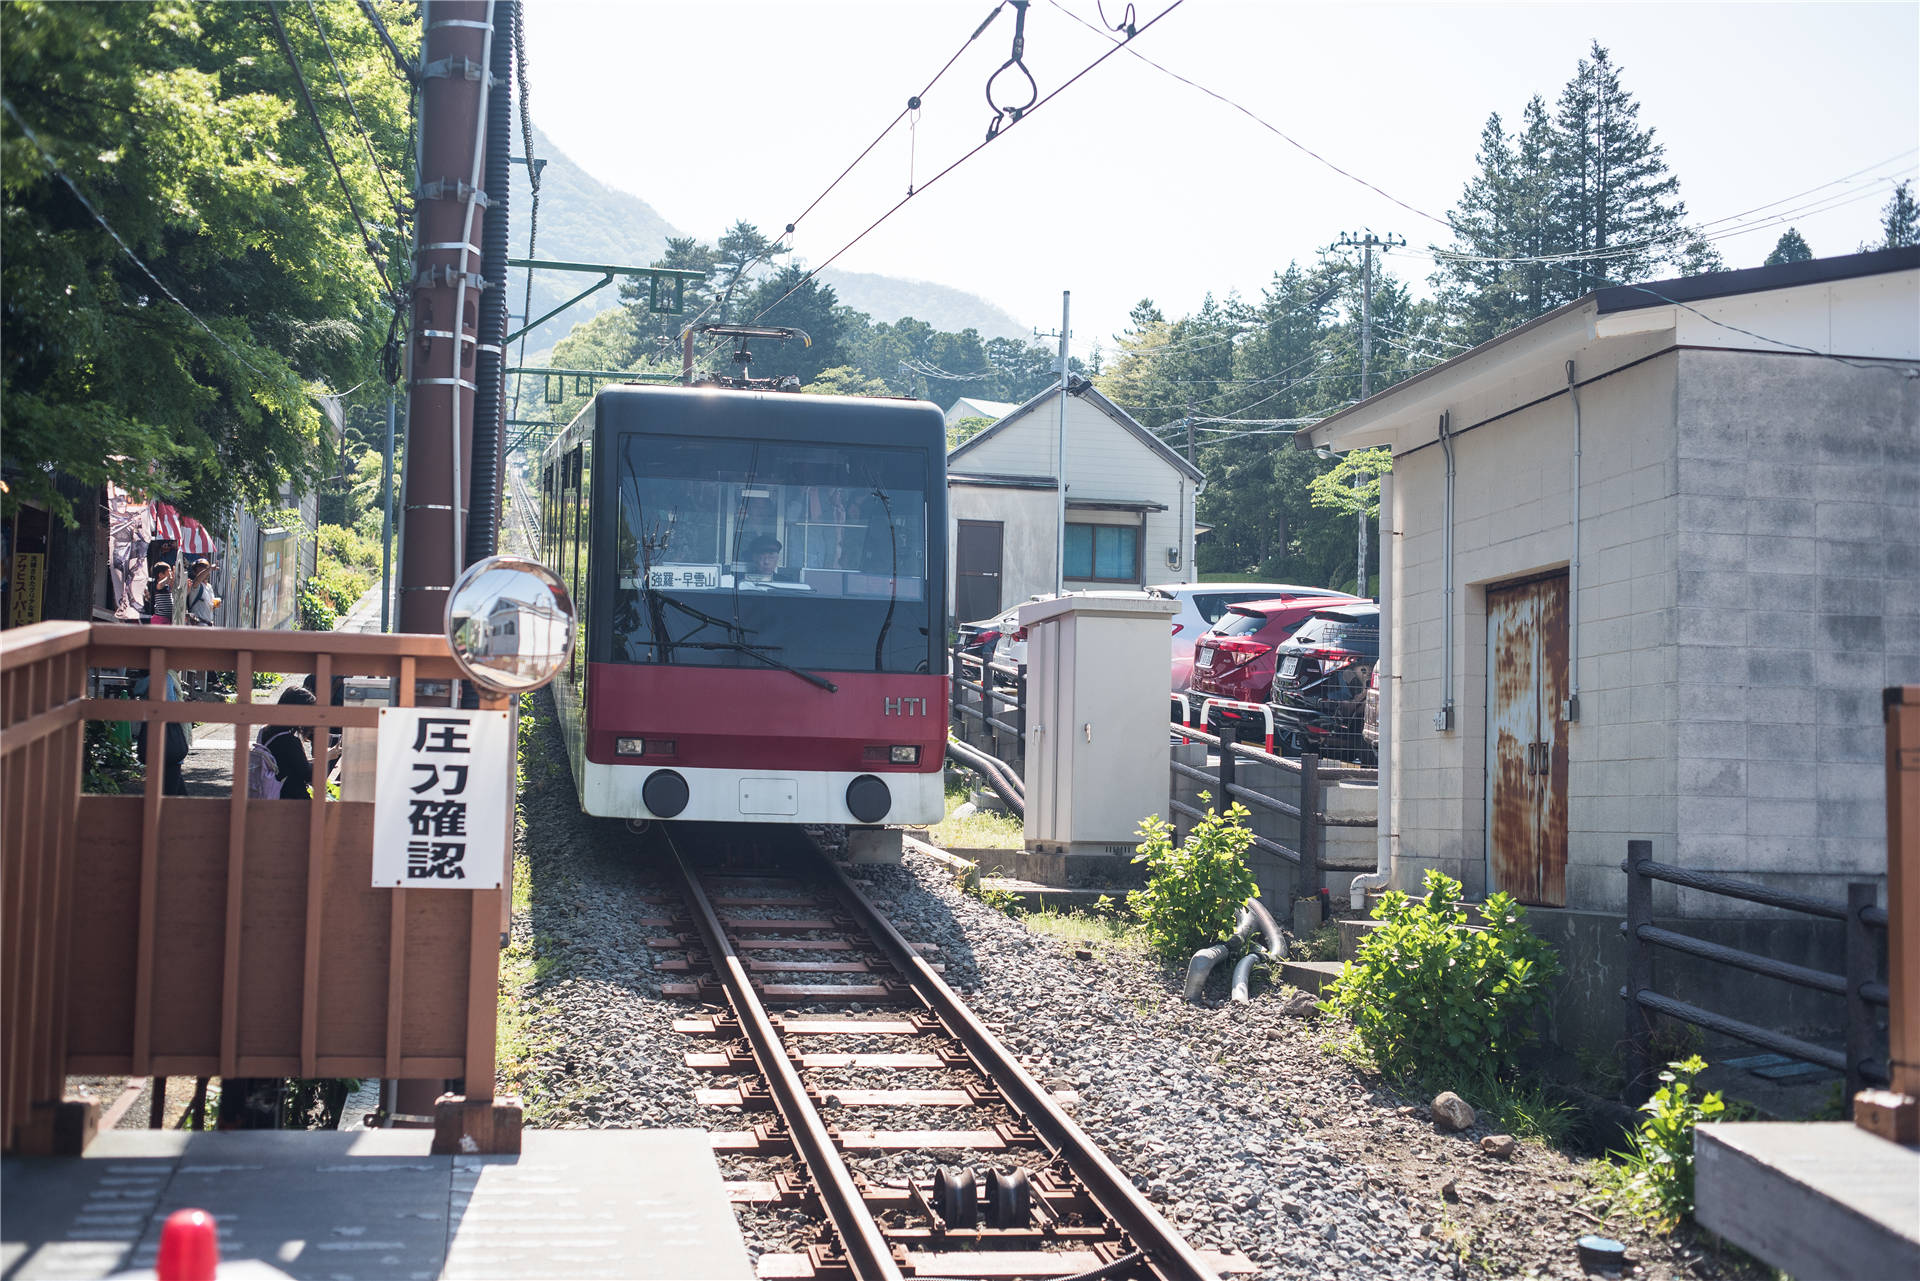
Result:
x=814 y=555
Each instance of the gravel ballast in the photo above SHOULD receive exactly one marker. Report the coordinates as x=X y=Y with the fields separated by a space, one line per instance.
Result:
x=1242 y=1124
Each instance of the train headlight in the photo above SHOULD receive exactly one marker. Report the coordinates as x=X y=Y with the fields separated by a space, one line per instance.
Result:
x=645 y=746
x=904 y=755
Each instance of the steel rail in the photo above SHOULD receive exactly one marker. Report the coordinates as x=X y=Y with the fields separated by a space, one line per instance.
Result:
x=1166 y=1251
x=868 y=1255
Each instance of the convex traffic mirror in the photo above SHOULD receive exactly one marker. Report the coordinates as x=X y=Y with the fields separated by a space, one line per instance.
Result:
x=510 y=622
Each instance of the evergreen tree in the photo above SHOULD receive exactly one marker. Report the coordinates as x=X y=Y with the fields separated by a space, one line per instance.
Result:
x=1506 y=212
x=1618 y=205
x=1900 y=219
x=1791 y=247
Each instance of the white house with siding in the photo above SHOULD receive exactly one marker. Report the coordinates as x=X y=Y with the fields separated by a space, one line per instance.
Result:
x=1129 y=504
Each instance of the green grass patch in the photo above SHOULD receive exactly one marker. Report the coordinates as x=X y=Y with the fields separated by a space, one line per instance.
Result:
x=1088 y=929
x=980 y=830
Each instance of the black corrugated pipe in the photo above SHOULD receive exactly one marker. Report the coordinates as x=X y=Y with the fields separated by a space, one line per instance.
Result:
x=483 y=510
x=996 y=774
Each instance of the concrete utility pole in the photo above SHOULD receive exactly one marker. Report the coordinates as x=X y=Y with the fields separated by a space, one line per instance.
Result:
x=1367 y=243
x=450 y=216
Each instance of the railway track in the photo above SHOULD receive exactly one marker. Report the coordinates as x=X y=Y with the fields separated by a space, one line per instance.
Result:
x=812 y=987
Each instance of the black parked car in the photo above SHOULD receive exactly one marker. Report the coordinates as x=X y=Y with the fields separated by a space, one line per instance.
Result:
x=1320 y=681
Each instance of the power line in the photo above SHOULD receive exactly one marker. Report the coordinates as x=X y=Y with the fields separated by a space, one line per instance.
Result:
x=913 y=105
x=300 y=81
x=1251 y=115
x=1026 y=114
x=366 y=136
x=53 y=166
x=400 y=60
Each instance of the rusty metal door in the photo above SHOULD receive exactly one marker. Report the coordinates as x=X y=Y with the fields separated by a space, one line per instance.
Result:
x=1527 y=740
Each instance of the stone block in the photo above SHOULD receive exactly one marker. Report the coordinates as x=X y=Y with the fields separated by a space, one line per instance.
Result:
x=1783 y=818
x=1712 y=740
x=1703 y=776
x=1781 y=517
x=1715 y=626
x=1778 y=742
x=1711 y=815
x=1773 y=667
x=1711 y=513
x=1859 y=554
x=1861 y=595
x=1781 y=780
x=1776 y=555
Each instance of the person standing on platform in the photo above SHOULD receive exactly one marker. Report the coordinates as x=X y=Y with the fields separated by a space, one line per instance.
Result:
x=160 y=597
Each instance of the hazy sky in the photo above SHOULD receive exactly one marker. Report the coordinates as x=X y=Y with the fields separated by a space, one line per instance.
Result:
x=1133 y=185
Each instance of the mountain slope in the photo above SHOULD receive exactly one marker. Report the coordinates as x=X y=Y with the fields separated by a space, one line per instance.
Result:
x=584 y=220
x=581 y=220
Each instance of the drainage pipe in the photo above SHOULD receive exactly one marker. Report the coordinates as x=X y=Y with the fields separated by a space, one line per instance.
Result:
x=1572 y=709
x=1253 y=915
x=1384 y=749
x=483 y=506
x=981 y=762
x=997 y=777
x=1443 y=719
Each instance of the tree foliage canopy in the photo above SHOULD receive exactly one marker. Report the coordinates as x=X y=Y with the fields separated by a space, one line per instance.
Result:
x=179 y=122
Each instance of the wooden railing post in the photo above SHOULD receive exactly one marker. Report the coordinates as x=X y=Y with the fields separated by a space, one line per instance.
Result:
x=1639 y=1025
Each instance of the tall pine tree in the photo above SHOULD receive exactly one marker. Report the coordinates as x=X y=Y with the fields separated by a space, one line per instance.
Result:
x=1618 y=206
x=1900 y=219
x=1579 y=198
x=1791 y=247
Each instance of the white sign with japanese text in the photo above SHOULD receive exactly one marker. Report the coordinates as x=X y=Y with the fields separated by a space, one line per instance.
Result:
x=440 y=808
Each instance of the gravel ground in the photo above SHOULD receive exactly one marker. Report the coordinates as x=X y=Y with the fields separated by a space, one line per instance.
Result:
x=1239 y=1121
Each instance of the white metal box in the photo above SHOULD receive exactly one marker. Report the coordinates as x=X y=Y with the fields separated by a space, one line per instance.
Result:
x=1096 y=718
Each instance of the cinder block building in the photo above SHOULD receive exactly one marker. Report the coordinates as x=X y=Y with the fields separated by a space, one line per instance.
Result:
x=1651 y=558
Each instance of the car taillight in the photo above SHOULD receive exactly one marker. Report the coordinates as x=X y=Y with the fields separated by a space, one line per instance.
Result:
x=1019 y=636
x=1177 y=627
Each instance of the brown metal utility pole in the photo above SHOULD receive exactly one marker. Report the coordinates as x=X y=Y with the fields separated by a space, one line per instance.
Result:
x=450 y=217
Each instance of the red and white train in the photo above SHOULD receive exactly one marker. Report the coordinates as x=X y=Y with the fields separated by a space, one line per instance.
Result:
x=760 y=578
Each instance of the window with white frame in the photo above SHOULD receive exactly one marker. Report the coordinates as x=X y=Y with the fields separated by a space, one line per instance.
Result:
x=1103 y=553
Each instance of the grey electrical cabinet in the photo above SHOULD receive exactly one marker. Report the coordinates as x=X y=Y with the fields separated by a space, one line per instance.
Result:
x=1096 y=719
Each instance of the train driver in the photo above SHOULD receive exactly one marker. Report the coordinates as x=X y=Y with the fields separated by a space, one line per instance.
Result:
x=763 y=559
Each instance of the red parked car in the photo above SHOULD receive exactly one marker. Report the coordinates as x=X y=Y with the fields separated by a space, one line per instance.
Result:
x=1234 y=659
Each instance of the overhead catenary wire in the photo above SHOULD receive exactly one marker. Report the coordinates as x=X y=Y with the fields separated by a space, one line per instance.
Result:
x=1268 y=125
x=1027 y=114
x=913 y=106
x=366 y=135
x=326 y=143
x=403 y=64
x=53 y=166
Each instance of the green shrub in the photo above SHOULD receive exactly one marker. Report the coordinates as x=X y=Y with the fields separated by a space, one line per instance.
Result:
x=1428 y=996
x=1654 y=1180
x=339 y=585
x=316 y=613
x=348 y=547
x=1194 y=891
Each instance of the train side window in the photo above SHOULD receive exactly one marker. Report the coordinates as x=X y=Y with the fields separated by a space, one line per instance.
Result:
x=583 y=558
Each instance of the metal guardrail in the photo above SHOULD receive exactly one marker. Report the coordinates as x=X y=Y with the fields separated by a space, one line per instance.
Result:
x=1861 y=986
x=993 y=697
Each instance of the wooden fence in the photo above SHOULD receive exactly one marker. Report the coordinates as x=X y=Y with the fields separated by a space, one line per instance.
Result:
x=157 y=935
